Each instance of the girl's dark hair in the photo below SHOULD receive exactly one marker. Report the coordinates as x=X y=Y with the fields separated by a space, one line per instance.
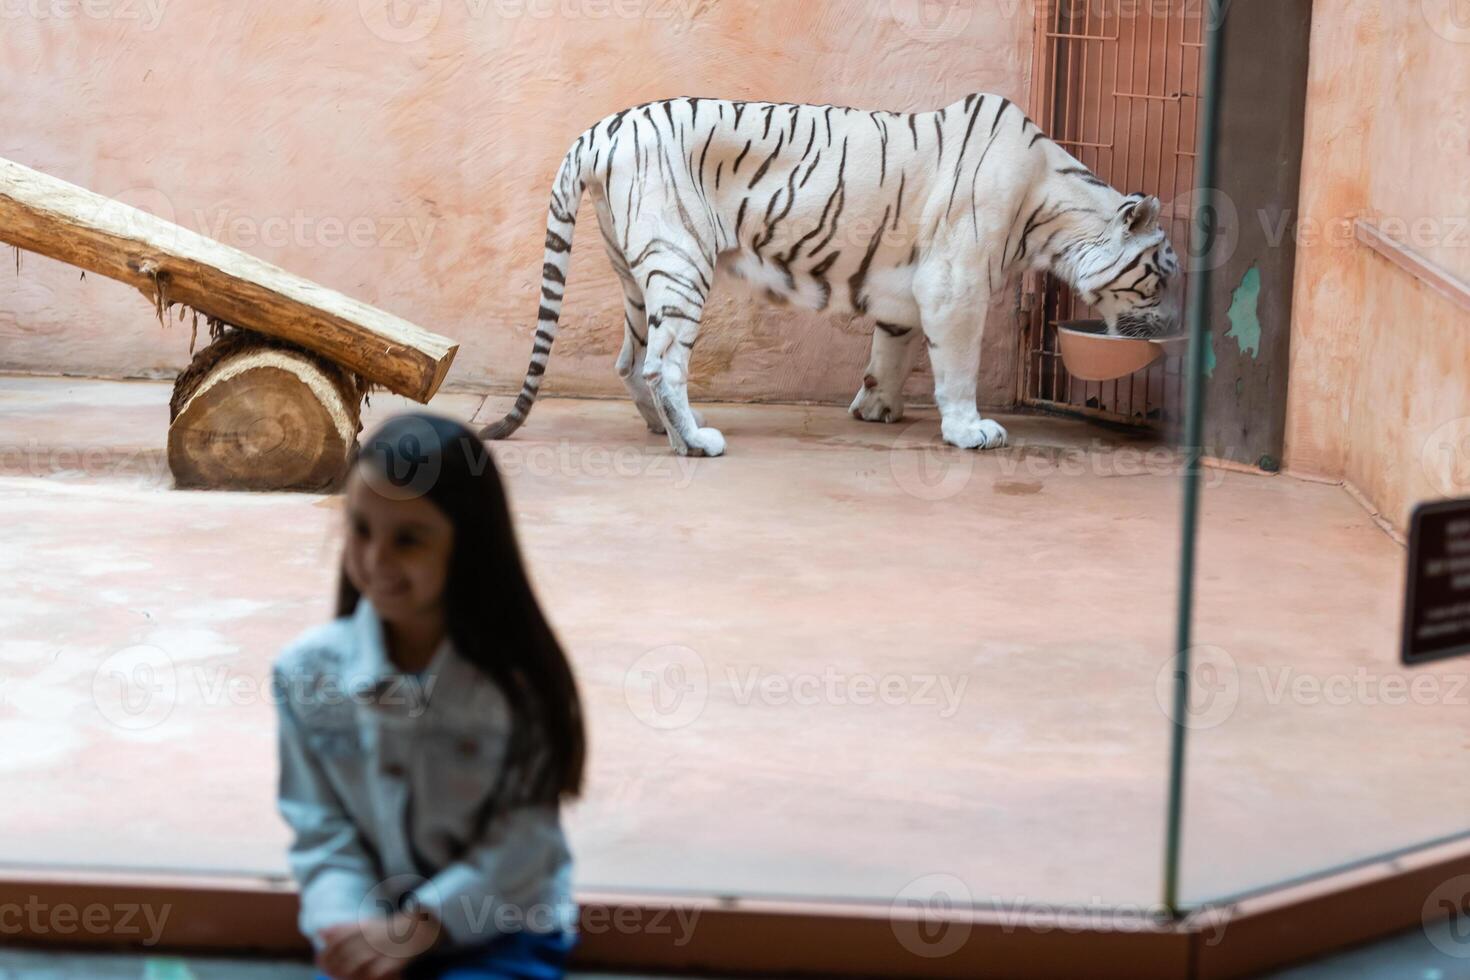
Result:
x=491 y=614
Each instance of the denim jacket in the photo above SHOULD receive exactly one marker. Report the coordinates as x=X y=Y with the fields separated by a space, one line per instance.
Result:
x=386 y=779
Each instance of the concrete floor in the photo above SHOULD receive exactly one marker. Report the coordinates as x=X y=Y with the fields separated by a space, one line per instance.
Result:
x=841 y=661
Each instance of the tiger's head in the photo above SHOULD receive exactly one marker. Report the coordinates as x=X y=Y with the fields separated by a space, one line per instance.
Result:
x=1137 y=292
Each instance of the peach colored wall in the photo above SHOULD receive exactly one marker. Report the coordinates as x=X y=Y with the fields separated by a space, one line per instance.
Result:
x=401 y=151
x=1380 y=365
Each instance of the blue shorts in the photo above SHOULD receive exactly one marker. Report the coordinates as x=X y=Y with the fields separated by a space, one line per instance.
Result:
x=514 y=956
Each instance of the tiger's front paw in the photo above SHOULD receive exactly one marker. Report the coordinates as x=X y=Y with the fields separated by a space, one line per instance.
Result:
x=871 y=405
x=974 y=433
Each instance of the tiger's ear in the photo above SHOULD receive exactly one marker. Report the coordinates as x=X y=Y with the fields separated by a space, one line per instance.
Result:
x=1142 y=216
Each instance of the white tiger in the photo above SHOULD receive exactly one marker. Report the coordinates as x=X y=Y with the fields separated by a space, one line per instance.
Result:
x=914 y=220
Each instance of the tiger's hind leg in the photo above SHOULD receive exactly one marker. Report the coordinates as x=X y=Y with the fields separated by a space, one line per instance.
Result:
x=631 y=357
x=629 y=364
x=676 y=298
x=630 y=367
x=880 y=399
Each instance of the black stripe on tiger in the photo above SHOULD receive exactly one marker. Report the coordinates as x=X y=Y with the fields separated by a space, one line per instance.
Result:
x=741 y=158
x=1004 y=105
x=963 y=146
x=1126 y=269
x=857 y=279
x=1087 y=175
x=839 y=194
x=780 y=142
x=819 y=273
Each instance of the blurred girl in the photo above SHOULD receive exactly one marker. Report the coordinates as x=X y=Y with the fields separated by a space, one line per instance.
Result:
x=429 y=734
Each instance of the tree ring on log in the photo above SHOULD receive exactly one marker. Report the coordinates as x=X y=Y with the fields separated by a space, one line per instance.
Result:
x=252 y=412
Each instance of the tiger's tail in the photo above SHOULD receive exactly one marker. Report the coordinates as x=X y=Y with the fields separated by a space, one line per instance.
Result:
x=561 y=220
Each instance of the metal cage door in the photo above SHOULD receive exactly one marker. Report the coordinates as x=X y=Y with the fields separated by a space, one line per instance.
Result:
x=1116 y=84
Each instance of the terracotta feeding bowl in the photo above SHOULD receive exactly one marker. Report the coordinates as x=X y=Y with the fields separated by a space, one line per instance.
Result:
x=1091 y=355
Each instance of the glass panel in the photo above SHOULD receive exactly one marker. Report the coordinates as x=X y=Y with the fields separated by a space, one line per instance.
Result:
x=846 y=662
x=1312 y=747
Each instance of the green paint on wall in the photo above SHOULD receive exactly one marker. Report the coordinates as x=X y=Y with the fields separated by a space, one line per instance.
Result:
x=166 y=968
x=1245 y=321
x=1209 y=353
x=1239 y=386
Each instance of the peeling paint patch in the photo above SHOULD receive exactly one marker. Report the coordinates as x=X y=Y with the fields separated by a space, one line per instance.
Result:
x=166 y=968
x=1245 y=321
x=1209 y=353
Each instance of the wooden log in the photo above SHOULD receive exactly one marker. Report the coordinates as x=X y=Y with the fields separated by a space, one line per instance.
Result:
x=170 y=264
x=257 y=413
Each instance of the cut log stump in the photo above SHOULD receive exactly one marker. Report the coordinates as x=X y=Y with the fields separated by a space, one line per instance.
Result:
x=256 y=413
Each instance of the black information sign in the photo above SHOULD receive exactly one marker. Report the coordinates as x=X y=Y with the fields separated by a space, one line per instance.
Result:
x=1437 y=605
